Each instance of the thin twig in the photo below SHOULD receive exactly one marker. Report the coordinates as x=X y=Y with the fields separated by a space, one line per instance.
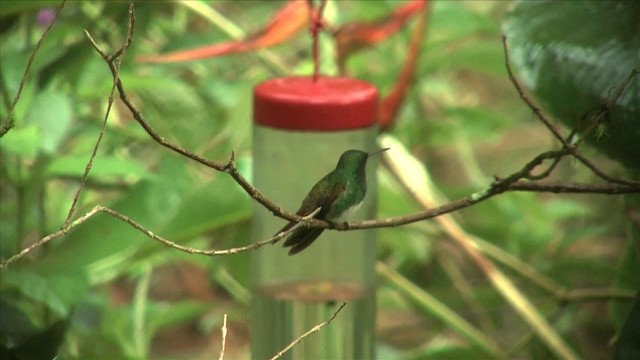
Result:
x=118 y=59
x=309 y=332
x=514 y=182
x=4 y=92
x=224 y=337
x=604 y=109
x=230 y=168
x=480 y=196
x=211 y=252
x=315 y=27
x=546 y=172
x=520 y=89
x=9 y=121
x=497 y=188
x=462 y=203
x=566 y=144
x=595 y=121
x=596 y=294
x=49 y=237
x=573 y=188
x=591 y=166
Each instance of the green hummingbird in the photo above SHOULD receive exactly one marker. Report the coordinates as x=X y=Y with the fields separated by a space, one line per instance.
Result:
x=338 y=195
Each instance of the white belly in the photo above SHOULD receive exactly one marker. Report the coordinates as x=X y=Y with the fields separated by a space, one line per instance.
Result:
x=347 y=213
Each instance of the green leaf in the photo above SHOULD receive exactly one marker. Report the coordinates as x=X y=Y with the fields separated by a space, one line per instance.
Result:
x=15 y=53
x=15 y=324
x=51 y=111
x=478 y=122
x=24 y=141
x=41 y=345
x=160 y=315
x=177 y=203
x=629 y=267
x=628 y=347
x=566 y=209
x=106 y=168
x=574 y=57
x=444 y=349
x=453 y=20
x=483 y=56
x=59 y=292
x=209 y=206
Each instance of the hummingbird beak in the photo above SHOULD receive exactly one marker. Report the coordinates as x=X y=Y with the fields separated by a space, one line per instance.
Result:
x=377 y=152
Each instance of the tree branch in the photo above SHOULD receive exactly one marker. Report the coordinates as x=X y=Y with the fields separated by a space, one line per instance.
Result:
x=309 y=332
x=9 y=121
x=595 y=119
x=517 y=181
x=118 y=60
x=102 y=209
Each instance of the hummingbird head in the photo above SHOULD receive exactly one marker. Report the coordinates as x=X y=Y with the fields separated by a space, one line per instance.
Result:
x=355 y=159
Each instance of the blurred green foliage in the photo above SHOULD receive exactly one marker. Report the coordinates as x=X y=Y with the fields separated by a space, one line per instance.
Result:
x=115 y=293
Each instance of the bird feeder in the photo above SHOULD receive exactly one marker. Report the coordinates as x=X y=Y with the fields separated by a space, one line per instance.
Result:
x=301 y=127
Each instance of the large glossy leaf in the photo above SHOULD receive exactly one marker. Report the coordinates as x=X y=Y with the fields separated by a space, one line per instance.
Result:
x=574 y=55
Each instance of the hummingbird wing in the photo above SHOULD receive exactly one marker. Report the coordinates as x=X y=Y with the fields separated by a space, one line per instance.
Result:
x=323 y=195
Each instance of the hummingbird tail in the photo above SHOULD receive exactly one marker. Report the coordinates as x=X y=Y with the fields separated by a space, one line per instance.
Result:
x=302 y=238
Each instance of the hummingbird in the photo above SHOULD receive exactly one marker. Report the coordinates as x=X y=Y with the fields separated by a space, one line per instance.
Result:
x=338 y=194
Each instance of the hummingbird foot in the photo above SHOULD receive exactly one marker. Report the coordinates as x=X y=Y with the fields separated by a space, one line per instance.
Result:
x=342 y=225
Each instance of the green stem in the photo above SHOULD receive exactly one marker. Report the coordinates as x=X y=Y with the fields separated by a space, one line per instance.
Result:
x=139 y=308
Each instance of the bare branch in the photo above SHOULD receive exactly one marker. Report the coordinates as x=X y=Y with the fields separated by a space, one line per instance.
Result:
x=309 y=332
x=49 y=237
x=9 y=121
x=514 y=182
x=538 y=111
x=118 y=62
x=595 y=120
x=229 y=167
x=495 y=189
x=574 y=188
x=99 y=208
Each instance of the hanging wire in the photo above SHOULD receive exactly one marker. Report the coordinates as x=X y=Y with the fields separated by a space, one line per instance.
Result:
x=315 y=27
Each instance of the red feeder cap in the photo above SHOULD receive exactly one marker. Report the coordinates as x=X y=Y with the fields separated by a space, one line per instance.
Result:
x=327 y=104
